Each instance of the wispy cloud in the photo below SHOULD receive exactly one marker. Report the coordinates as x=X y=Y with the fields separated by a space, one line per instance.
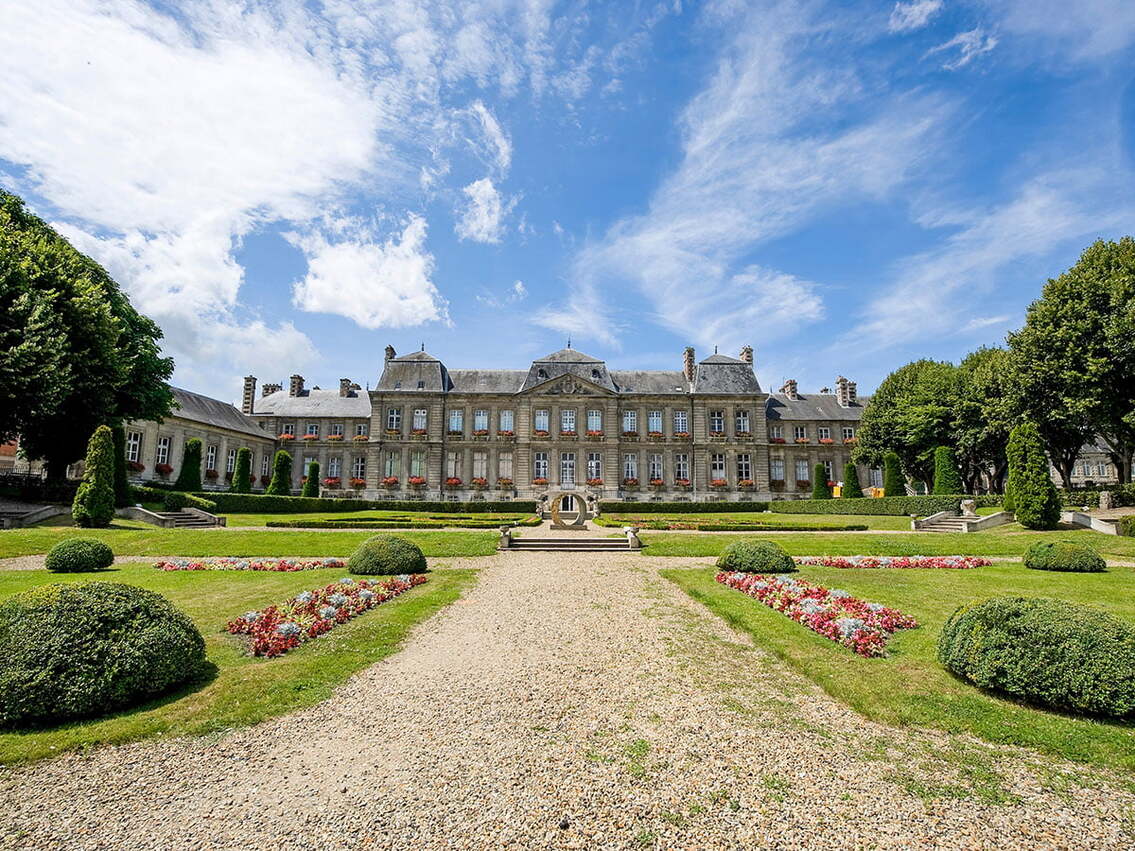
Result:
x=513 y=295
x=969 y=44
x=906 y=17
x=482 y=217
x=1084 y=29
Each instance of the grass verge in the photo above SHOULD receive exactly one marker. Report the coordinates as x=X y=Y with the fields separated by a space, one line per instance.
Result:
x=240 y=690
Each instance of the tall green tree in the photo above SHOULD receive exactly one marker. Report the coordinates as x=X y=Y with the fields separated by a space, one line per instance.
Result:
x=311 y=483
x=946 y=478
x=894 y=482
x=242 y=478
x=121 y=482
x=1074 y=359
x=74 y=354
x=281 y=484
x=1034 y=497
x=851 y=487
x=983 y=416
x=189 y=476
x=94 y=500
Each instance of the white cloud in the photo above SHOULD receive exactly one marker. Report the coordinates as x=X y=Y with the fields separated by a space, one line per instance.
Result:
x=482 y=219
x=906 y=17
x=496 y=145
x=375 y=284
x=970 y=44
x=1083 y=29
x=515 y=294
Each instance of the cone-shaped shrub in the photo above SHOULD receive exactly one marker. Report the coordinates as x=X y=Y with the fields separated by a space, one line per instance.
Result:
x=189 y=476
x=1035 y=500
x=311 y=486
x=851 y=487
x=820 y=489
x=94 y=500
x=242 y=478
x=281 y=484
x=946 y=478
x=894 y=482
x=121 y=484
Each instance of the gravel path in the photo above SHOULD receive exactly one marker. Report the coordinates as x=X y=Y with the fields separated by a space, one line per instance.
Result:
x=568 y=701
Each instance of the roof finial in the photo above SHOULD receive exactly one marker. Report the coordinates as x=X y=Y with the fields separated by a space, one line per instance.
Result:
x=423 y=347
x=569 y=342
x=715 y=349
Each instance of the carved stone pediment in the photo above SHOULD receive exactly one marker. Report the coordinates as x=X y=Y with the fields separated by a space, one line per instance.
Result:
x=569 y=385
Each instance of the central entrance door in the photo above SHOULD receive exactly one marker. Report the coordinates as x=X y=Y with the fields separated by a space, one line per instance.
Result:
x=567 y=469
x=567 y=502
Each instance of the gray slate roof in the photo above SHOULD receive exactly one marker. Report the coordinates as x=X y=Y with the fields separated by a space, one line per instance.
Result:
x=818 y=406
x=213 y=412
x=650 y=381
x=313 y=403
x=487 y=380
x=723 y=374
x=417 y=371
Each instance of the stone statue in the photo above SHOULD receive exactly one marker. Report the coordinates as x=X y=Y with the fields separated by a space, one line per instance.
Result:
x=969 y=508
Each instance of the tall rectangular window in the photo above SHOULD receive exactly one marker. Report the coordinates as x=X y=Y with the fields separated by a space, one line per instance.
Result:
x=682 y=466
x=337 y=429
x=824 y=433
x=307 y=462
x=264 y=463
x=717 y=465
x=163 y=450
x=289 y=428
x=230 y=462
x=211 y=458
x=681 y=422
x=418 y=464
x=480 y=465
x=456 y=421
x=802 y=473
x=419 y=419
x=481 y=419
x=452 y=465
x=828 y=470
x=312 y=428
x=800 y=432
x=630 y=422
x=507 y=422
x=594 y=465
x=504 y=463
x=654 y=421
x=334 y=467
x=876 y=478
x=848 y=433
x=394 y=419
x=630 y=466
x=359 y=467
x=742 y=422
x=540 y=465
x=717 y=422
x=390 y=466
x=656 y=466
x=567 y=420
x=361 y=429
x=744 y=467
x=1102 y=469
x=567 y=468
x=776 y=469
x=540 y=420
x=133 y=445
x=594 y=421
x=776 y=432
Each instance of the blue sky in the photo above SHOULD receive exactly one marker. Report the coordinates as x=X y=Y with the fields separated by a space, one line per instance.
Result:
x=288 y=187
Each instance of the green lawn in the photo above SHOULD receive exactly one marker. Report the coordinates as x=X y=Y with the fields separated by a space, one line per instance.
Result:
x=1010 y=540
x=241 y=690
x=803 y=521
x=132 y=539
x=909 y=687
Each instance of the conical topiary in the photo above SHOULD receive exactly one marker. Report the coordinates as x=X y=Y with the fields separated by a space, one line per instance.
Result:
x=1034 y=496
x=820 y=488
x=281 y=484
x=946 y=478
x=94 y=500
x=242 y=477
x=189 y=476
x=851 y=488
x=121 y=483
x=311 y=485
x=894 y=482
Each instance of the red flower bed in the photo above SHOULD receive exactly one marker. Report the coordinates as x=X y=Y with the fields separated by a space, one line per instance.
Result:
x=864 y=627
x=277 y=629
x=899 y=562
x=277 y=565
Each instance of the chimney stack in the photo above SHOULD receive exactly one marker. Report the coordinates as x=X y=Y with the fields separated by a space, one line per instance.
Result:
x=269 y=389
x=249 y=397
x=295 y=386
x=789 y=389
x=345 y=387
x=390 y=353
x=844 y=392
x=688 y=363
x=747 y=354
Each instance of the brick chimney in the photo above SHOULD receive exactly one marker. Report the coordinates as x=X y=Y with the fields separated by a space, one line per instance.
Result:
x=688 y=363
x=789 y=389
x=390 y=353
x=844 y=392
x=295 y=386
x=345 y=387
x=249 y=397
x=747 y=354
x=269 y=389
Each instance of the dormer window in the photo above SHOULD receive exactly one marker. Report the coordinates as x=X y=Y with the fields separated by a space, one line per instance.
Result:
x=540 y=373
x=595 y=373
x=421 y=384
x=397 y=385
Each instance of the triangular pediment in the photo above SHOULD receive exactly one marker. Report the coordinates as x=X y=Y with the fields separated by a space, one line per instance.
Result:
x=569 y=385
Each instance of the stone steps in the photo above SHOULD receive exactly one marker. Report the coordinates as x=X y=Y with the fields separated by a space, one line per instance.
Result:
x=570 y=544
x=945 y=524
x=187 y=520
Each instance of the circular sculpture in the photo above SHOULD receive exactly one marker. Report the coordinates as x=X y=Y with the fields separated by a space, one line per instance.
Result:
x=555 y=500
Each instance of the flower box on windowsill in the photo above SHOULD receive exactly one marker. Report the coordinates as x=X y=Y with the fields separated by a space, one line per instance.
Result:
x=778 y=440
x=681 y=435
x=718 y=484
x=163 y=470
x=849 y=441
x=454 y=432
x=212 y=475
x=776 y=485
x=504 y=483
x=334 y=437
x=135 y=466
x=418 y=434
x=594 y=483
x=595 y=434
x=540 y=432
x=358 y=483
x=746 y=485
x=630 y=484
x=683 y=484
x=393 y=432
x=265 y=481
x=569 y=434
x=310 y=437
x=453 y=482
x=630 y=435
x=361 y=437
x=506 y=434
x=803 y=484
x=285 y=436
x=655 y=435
x=390 y=483
x=717 y=435
x=657 y=484
x=539 y=482
x=825 y=441
x=332 y=482
x=416 y=482
x=802 y=440
x=743 y=435
x=479 y=483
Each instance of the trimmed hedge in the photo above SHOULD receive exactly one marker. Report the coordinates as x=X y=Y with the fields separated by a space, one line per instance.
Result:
x=756 y=557
x=698 y=526
x=616 y=507
x=79 y=555
x=386 y=555
x=253 y=503
x=83 y=649
x=1064 y=556
x=1043 y=651
x=378 y=523
x=1121 y=495
x=895 y=506
x=171 y=500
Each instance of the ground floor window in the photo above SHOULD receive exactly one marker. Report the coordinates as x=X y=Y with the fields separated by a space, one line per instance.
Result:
x=359 y=468
x=133 y=445
x=230 y=462
x=452 y=465
x=418 y=464
x=594 y=465
x=211 y=458
x=264 y=462
x=717 y=466
x=656 y=462
x=505 y=465
x=744 y=467
x=540 y=465
x=828 y=470
x=776 y=469
x=480 y=465
x=391 y=465
x=802 y=472
x=876 y=478
x=307 y=462
x=630 y=466
x=334 y=467
x=163 y=450
x=682 y=466
x=567 y=468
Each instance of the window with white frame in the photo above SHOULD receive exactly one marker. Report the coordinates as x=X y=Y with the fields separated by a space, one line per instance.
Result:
x=828 y=468
x=717 y=422
x=567 y=420
x=163 y=450
x=630 y=466
x=824 y=433
x=481 y=419
x=682 y=466
x=334 y=467
x=594 y=465
x=540 y=420
x=741 y=422
x=133 y=445
x=540 y=465
x=681 y=422
x=312 y=428
x=654 y=421
x=307 y=462
x=480 y=465
x=744 y=466
x=802 y=474
x=630 y=421
x=656 y=466
x=394 y=419
x=717 y=465
x=776 y=469
x=848 y=432
x=337 y=429
x=289 y=428
x=359 y=467
x=504 y=465
x=265 y=461
x=211 y=458
x=391 y=466
x=776 y=431
x=1102 y=469
x=419 y=423
x=800 y=432
x=594 y=421
x=456 y=421
x=875 y=476
x=230 y=462
x=452 y=465
x=361 y=429
x=418 y=463
x=567 y=468
x=507 y=421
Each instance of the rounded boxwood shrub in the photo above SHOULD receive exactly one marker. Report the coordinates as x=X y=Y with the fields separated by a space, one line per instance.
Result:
x=78 y=650
x=79 y=555
x=1065 y=556
x=1046 y=652
x=756 y=557
x=387 y=555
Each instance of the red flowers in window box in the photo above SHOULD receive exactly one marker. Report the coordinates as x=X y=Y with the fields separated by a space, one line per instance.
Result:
x=163 y=470
x=803 y=484
x=453 y=482
x=746 y=484
x=776 y=440
x=416 y=481
x=505 y=432
x=568 y=432
x=390 y=482
x=212 y=474
x=594 y=482
x=745 y=433
x=479 y=482
x=332 y=482
x=504 y=482
x=361 y=437
x=595 y=432
x=334 y=437
x=630 y=434
x=358 y=483
x=717 y=434
x=135 y=466
x=718 y=483
x=655 y=435
x=285 y=436
x=802 y=440
x=657 y=483
x=455 y=432
x=311 y=437
x=826 y=441
x=682 y=435
x=393 y=432
x=682 y=483
x=480 y=432
x=630 y=482
x=539 y=480
x=418 y=432
x=849 y=441
x=540 y=432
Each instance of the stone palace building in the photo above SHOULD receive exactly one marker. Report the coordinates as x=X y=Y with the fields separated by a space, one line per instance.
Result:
x=704 y=432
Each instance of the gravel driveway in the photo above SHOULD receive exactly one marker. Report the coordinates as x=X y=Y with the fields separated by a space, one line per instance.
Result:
x=568 y=701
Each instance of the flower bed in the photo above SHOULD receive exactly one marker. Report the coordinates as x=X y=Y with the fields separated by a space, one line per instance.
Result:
x=864 y=627
x=283 y=565
x=277 y=629
x=940 y=562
